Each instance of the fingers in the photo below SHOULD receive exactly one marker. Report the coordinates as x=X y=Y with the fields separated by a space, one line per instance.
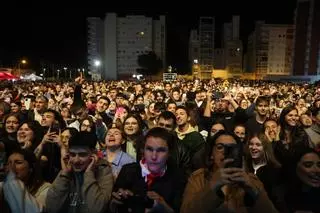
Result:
x=122 y=194
x=226 y=161
x=231 y=170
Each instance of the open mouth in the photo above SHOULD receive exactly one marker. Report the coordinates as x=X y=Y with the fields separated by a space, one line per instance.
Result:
x=112 y=140
x=22 y=136
x=254 y=152
x=315 y=178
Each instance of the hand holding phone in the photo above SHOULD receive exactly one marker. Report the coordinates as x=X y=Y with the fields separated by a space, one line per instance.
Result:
x=55 y=128
x=234 y=152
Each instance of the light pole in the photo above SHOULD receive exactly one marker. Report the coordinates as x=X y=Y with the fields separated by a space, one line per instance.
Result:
x=19 y=65
x=44 y=73
x=97 y=75
x=65 y=71
x=58 y=71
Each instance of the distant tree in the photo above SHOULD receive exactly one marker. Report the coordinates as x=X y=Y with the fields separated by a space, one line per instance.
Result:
x=150 y=64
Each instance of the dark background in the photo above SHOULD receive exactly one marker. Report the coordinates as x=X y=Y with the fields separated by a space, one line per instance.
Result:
x=56 y=34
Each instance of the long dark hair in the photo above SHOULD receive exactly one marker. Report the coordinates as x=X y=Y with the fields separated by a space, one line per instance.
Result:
x=37 y=133
x=283 y=123
x=14 y=114
x=35 y=180
x=296 y=132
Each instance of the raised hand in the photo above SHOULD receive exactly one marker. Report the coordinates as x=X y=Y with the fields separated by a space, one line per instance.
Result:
x=93 y=163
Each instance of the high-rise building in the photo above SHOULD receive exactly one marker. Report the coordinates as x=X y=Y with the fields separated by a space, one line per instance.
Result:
x=206 y=39
x=219 y=59
x=232 y=46
x=280 y=49
x=194 y=51
x=194 y=46
x=306 y=57
x=269 y=49
x=95 y=43
x=123 y=40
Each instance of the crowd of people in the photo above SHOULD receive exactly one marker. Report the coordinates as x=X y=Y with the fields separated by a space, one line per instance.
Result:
x=222 y=146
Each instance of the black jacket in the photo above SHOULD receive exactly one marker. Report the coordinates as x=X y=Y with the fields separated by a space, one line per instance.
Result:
x=170 y=187
x=273 y=184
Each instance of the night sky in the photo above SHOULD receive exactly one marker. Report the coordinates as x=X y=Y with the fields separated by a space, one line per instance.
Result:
x=51 y=35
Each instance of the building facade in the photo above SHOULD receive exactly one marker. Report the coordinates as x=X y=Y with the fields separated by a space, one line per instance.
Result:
x=95 y=43
x=206 y=39
x=233 y=46
x=269 y=50
x=306 y=57
x=124 y=39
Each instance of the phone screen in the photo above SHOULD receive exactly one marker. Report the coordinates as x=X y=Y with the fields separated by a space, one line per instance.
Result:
x=55 y=128
x=235 y=152
x=27 y=103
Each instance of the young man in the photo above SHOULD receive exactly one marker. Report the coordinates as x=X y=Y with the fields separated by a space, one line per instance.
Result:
x=180 y=152
x=85 y=182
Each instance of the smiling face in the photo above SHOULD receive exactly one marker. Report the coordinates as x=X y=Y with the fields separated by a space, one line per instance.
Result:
x=292 y=118
x=271 y=128
x=308 y=170
x=25 y=134
x=131 y=126
x=80 y=158
x=182 y=117
x=12 y=124
x=256 y=148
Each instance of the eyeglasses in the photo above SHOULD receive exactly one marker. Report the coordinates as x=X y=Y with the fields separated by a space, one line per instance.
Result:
x=219 y=147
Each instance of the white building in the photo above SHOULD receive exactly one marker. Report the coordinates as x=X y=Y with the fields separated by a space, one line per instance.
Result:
x=124 y=39
x=270 y=49
x=280 y=49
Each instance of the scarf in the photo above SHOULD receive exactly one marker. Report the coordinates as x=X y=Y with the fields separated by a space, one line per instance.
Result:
x=150 y=177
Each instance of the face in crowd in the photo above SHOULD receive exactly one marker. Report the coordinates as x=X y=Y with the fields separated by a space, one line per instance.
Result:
x=308 y=169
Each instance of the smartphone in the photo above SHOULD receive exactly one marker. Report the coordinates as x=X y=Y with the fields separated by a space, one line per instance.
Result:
x=235 y=152
x=55 y=128
x=27 y=103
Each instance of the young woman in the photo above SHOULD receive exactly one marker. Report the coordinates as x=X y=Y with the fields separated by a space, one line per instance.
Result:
x=29 y=135
x=9 y=134
x=113 y=153
x=304 y=188
x=24 y=179
x=292 y=138
x=260 y=160
x=221 y=187
x=132 y=128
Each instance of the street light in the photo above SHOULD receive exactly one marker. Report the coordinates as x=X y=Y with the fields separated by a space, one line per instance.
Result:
x=44 y=72
x=97 y=63
x=97 y=75
x=65 y=71
x=19 y=65
x=58 y=73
